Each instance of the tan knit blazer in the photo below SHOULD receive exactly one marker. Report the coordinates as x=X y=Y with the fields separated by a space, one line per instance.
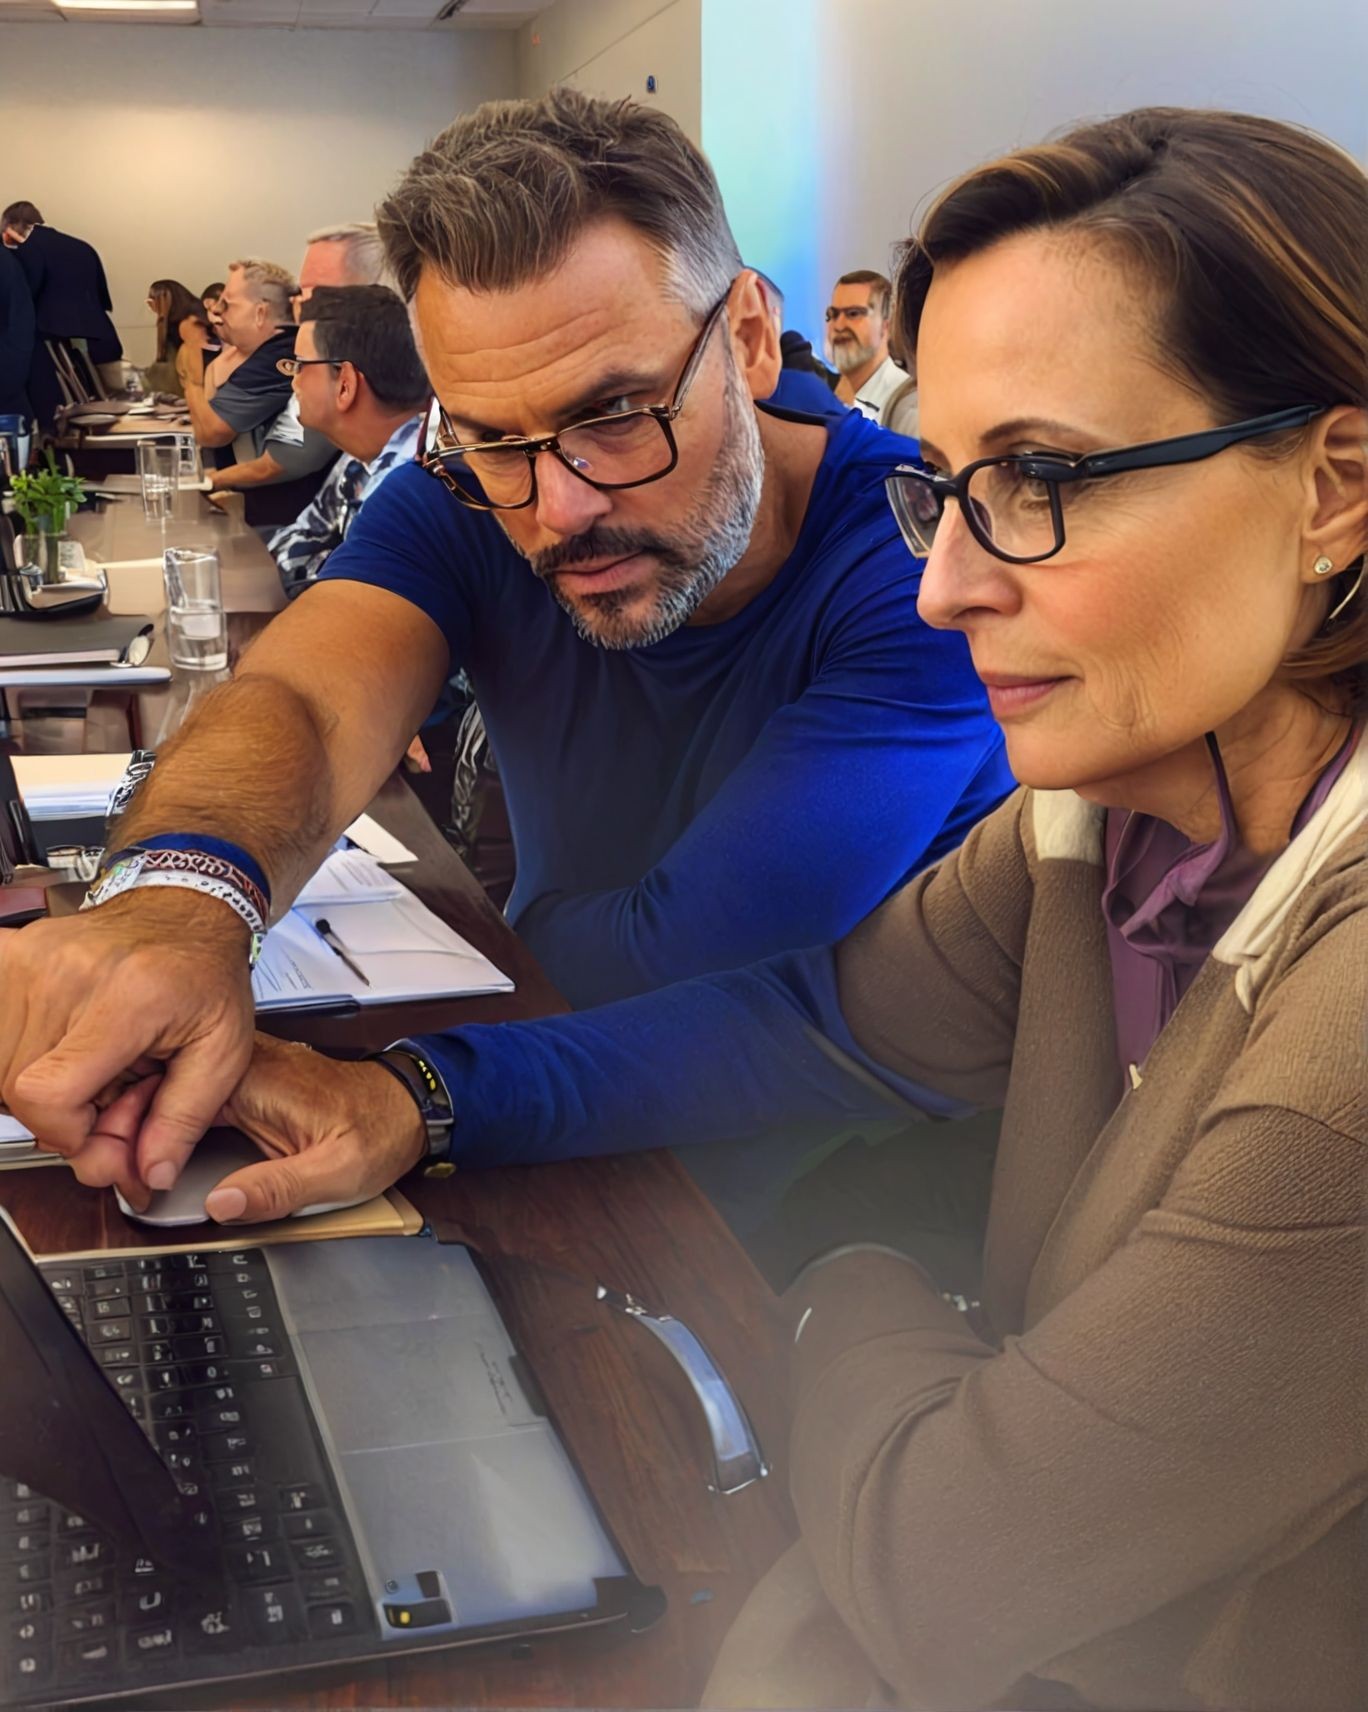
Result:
x=1143 y=1486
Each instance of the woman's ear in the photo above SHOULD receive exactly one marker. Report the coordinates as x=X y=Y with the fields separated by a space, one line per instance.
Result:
x=1337 y=523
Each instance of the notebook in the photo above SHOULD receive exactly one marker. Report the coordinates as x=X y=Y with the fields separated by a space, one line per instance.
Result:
x=74 y=641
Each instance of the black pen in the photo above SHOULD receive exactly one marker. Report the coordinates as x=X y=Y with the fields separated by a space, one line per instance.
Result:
x=334 y=944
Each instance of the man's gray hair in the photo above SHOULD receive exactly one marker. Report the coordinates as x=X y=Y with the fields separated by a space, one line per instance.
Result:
x=502 y=194
x=364 y=253
x=271 y=284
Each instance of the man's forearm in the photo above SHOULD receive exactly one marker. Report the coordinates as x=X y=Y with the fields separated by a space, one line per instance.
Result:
x=256 y=472
x=251 y=766
x=209 y=427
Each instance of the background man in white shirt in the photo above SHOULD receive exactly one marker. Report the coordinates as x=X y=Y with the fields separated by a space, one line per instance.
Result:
x=857 y=331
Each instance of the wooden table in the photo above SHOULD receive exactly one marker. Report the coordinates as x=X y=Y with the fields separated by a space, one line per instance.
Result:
x=547 y=1235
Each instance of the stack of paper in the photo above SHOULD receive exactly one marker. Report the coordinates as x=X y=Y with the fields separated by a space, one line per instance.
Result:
x=17 y=1146
x=66 y=787
x=381 y=952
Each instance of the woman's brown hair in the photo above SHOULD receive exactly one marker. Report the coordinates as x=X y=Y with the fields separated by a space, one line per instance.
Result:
x=1254 y=234
x=180 y=302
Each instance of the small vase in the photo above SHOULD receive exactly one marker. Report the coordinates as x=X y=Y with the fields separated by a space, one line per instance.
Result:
x=49 y=554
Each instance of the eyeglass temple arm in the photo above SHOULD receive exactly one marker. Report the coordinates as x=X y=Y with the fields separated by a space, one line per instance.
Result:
x=1189 y=448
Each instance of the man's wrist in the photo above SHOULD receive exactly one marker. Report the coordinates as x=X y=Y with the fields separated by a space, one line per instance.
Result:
x=408 y=1064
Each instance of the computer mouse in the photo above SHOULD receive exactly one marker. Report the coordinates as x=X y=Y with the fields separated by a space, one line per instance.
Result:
x=218 y=1155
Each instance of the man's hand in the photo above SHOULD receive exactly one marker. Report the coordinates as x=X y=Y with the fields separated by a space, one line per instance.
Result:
x=123 y=1031
x=416 y=757
x=332 y=1131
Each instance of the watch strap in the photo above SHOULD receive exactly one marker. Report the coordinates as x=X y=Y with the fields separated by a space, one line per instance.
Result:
x=408 y=1063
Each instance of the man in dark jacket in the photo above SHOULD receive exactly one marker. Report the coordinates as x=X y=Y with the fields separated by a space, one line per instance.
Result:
x=16 y=337
x=70 y=297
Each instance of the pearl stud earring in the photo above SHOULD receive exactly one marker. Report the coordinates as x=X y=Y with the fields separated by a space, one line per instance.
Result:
x=1323 y=566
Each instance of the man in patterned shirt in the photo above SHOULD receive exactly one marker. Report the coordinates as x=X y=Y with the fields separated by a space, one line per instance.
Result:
x=359 y=380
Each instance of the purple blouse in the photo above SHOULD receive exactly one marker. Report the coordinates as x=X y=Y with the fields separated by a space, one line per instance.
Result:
x=1167 y=901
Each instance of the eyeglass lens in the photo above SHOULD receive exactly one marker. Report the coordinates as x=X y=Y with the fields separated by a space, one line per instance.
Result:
x=611 y=452
x=1010 y=509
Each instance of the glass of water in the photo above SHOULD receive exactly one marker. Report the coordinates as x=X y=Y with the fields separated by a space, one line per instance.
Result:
x=196 y=630
x=157 y=478
x=187 y=460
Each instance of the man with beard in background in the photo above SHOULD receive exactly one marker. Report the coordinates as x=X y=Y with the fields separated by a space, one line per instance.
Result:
x=857 y=319
x=691 y=626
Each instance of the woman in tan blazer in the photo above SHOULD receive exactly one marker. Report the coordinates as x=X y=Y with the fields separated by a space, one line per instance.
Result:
x=1133 y=1476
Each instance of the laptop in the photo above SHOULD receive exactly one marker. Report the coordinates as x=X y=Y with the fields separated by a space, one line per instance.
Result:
x=220 y=1465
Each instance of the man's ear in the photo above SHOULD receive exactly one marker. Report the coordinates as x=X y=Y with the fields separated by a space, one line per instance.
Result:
x=755 y=339
x=1337 y=497
x=348 y=394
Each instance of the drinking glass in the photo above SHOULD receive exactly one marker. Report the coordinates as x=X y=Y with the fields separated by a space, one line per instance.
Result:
x=187 y=461
x=196 y=630
x=157 y=478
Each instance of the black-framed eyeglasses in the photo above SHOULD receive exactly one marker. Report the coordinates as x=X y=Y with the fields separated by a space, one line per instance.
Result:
x=626 y=449
x=292 y=365
x=858 y=313
x=1015 y=505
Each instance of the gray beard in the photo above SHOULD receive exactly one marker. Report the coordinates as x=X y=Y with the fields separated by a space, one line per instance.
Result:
x=850 y=355
x=698 y=554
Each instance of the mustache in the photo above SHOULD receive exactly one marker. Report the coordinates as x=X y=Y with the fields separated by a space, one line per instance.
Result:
x=599 y=544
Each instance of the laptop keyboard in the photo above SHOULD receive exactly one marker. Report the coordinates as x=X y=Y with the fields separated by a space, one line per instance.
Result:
x=194 y=1346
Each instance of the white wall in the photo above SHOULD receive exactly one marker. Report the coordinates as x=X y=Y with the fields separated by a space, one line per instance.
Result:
x=174 y=151
x=913 y=94
x=610 y=47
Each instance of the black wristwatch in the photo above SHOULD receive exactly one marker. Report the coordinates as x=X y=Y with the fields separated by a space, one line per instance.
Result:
x=408 y=1063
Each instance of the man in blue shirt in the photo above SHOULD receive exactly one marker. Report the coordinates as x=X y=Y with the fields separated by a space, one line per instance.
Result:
x=691 y=625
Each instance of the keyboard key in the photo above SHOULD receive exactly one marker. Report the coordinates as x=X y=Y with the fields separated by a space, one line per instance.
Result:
x=108 y=1287
x=30 y=1631
x=33 y=1570
x=249 y=1529
x=90 y=1653
x=31 y=1600
x=63 y=1283
x=27 y=1544
x=258 y=1343
x=176 y=1435
x=257 y=1563
x=274 y=1367
x=206 y=1373
x=222 y=1446
x=159 y=1352
x=84 y=1585
x=295 y=1498
x=125 y=1378
x=248 y=1500
x=72 y=1526
x=110 y=1308
x=119 y=1355
x=29 y=1516
x=143 y=1604
x=328 y=1587
x=213 y=1628
x=170 y=1408
x=87 y=1619
x=158 y=1642
x=85 y=1554
x=162 y=1379
x=311 y=1525
x=316 y=1554
x=31 y=1665
x=215 y=1420
x=236 y=1260
x=216 y=1397
x=104 y=1271
x=227 y=1475
x=111 y=1331
x=184 y=1460
x=274 y=1613
x=336 y=1618
x=196 y=1348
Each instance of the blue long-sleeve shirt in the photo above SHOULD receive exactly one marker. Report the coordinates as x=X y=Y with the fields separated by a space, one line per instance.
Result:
x=729 y=1056
x=734 y=791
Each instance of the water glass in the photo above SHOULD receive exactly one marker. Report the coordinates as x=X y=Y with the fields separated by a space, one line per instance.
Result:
x=187 y=460
x=157 y=478
x=196 y=630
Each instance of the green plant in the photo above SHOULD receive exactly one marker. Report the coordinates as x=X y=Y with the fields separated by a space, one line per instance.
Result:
x=47 y=498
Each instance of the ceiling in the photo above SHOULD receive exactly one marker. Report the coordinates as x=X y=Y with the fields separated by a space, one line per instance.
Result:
x=300 y=14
